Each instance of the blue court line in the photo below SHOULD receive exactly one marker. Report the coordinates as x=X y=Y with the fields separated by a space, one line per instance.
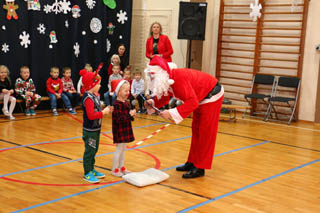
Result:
x=45 y=142
x=79 y=159
x=105 y=186
x=248 y=186
x=69 y=196
x=225 y=153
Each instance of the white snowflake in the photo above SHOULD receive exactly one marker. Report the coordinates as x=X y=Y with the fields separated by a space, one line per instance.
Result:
x=3 y=27
x=95 y=25
x=120 y=36
x=76 y=48
x=91 y=4
x=47 y=8
x=255 y=10
x=25 y=41
x=65 y=6
x=41 y=28
x=50 y=46
x=5 y=48
x=294 y=5
x=122 y=16
x=108 y=46
x=66 y=23
x=56 y=7
x=95 y=41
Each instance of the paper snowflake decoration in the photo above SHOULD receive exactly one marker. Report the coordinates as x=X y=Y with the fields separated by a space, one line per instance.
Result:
x=91 y=4
x=41 y=28
x=66 y=23
x=95 y=41
x=25 y=41
x=255 y=10
x=47 y=9
x=65 y=6
x=56 y=7
x=122 y=16
x=76 y=48
x=294 y=5
x=95 y=25
x=5 y=48
x=3 y=27
x=108 y=46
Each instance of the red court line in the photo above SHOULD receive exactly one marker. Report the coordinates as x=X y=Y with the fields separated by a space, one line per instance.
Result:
x=157 y=166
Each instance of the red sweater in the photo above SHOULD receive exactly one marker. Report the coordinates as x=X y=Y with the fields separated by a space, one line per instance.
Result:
x=54 y=85
x=164 y=47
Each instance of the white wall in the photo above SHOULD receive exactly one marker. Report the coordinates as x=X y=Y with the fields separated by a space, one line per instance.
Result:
x=150 y=10
x=310 y=64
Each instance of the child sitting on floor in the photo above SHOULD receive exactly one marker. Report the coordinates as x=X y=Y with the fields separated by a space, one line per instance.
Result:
x=6 y=92
x=54 y=89
x=68 y=88
x=26 y=89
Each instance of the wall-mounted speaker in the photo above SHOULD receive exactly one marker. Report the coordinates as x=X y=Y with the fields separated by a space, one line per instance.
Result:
x=192 y=20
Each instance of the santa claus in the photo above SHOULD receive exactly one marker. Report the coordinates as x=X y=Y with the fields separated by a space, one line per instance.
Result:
x=201 y=94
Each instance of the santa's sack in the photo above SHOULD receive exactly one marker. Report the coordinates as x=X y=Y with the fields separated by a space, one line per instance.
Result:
x=147 y=177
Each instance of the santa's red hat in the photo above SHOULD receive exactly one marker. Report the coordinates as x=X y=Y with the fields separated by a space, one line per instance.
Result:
x=89 y=79
x=116 y=85
x=160 y=64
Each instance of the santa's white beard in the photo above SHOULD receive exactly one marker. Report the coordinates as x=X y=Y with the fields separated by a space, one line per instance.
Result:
x=159 y=84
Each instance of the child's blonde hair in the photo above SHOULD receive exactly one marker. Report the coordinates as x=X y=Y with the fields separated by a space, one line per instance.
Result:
x=5 y=68
x=23 y=67
x=88 y=67
x=54 y=68
x=115 y=56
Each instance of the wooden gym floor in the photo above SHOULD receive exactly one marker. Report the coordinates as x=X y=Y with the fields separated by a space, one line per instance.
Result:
x=258 y=167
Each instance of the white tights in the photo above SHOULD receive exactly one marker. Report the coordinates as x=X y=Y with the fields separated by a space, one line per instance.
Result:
x=6 y=98
x=118 y=157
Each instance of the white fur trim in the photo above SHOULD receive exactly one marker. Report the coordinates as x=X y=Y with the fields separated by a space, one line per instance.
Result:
x=213 y=98
x=175 y=115
x=172 y=65
x=170 y=81
x=119 y=86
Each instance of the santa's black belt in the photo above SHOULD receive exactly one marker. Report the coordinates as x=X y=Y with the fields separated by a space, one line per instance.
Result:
x=214 y=91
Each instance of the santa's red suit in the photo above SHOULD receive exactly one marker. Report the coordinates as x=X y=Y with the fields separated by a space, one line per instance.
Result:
x=192 y=87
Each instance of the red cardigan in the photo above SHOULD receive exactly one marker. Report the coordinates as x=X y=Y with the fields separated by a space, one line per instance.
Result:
x=164 y=47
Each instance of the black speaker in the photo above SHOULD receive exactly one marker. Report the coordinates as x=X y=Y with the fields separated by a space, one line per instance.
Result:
x=192 y=20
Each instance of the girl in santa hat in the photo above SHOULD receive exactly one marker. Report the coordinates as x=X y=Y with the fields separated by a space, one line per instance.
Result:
x=121 y=124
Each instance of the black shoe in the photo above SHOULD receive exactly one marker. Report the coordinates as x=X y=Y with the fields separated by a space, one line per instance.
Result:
x=193 y=173
x=185 y=167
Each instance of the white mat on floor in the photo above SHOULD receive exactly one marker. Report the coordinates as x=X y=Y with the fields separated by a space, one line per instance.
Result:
x=147 y=177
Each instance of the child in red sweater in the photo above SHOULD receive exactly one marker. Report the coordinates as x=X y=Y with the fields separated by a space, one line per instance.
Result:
x=54 y=89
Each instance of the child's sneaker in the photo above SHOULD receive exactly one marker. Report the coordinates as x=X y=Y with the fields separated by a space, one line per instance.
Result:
x=91 y=178
x=124 y=170
x=55 y=112
x=27 y=112
x=97 y=174
x=72 y=112
x=32 y=112
x=117 y=173
x=5 y=112
x=11 y=117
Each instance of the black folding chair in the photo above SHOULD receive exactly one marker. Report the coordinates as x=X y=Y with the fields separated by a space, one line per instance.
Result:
x=285 y=82
x=260 y=79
